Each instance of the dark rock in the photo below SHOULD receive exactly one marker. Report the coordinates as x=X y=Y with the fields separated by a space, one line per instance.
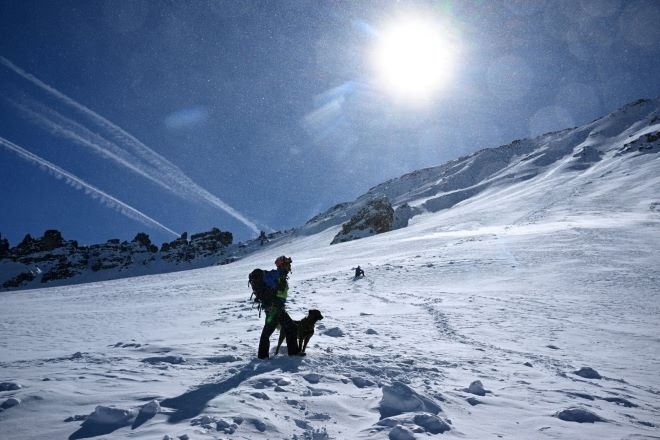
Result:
x=431 y=423
x=578 y=415
x=165 y=359
x=62 y=271
x=399 y=398
x=474 y=401
x=645 y=144
x=145 y=241
x=620 y=401
x=588 y=373
x=4 y=248
x=581 y=395
x=477 y=388
x=52 y=239
x=10 y=403
x=375 y=218
x=26 y=246
x=9 y=386
x=362 y=383
x=19 y=280
x=400 y=432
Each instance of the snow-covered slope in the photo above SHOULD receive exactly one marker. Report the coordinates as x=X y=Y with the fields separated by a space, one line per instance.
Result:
x=578 y=153
x=527 y=311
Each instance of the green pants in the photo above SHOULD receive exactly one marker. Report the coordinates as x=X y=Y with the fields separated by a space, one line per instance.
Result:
x=274 y=317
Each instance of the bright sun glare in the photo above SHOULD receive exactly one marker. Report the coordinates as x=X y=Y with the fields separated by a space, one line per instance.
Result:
x=414 y=58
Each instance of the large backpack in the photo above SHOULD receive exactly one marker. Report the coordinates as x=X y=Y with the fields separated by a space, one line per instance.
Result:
x=262 y=293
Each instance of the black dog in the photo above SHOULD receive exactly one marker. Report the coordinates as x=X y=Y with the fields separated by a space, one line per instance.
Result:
x=304 y=330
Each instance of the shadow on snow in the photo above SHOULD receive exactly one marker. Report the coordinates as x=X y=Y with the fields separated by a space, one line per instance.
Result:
x=192 y=403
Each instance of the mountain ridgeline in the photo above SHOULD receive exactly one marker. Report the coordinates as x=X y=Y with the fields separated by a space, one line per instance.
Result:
x=593 y=152
x=51 y=259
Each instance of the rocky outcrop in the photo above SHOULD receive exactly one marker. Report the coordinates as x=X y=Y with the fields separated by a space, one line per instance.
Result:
x=203 y=244
x=49 y=260
x=645 y=144
x=4 y=247
x=375 y=218
x=211 y=242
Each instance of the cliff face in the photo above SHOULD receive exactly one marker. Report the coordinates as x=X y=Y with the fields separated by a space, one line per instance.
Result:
x=52 y=260
x=375 y=218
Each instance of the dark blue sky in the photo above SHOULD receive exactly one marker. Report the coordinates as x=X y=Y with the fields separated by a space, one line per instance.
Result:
x=121 y=117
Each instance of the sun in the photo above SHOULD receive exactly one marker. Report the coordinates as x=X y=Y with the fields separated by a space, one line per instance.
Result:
x=414 y=58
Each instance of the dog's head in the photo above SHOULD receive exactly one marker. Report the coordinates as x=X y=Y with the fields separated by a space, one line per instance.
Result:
x=315 y=315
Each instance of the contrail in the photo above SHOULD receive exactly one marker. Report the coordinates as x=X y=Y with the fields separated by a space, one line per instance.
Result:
x=62 y=126
x=168 y=174
x=78 y=183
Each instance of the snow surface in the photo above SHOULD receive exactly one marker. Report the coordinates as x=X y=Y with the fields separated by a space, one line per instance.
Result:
x=528 y=311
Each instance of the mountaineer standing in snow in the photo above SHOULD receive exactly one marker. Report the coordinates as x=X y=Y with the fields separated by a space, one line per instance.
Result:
x=276 y=312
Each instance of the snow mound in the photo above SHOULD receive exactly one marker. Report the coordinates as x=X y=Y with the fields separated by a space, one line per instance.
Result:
x=399 y=398
x=588 y=373
x=477 y=388
x=165 y=359
x=401 y=433
x=578 y=415
x=405 y=426
x=9 y=386
x=334 y=332
x=12 y=401
x=104 y=420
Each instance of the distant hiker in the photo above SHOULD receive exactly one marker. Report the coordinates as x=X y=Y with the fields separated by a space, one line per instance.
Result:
x=275 y=311
x=359 y=272
x=263 y=238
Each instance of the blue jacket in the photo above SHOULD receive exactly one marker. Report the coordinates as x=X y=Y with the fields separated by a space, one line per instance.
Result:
x=276 y=280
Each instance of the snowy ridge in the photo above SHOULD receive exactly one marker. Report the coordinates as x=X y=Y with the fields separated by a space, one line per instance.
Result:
x=572 y=150
x=527 y=311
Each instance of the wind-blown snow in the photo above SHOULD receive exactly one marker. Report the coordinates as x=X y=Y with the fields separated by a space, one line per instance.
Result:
x=527 y=311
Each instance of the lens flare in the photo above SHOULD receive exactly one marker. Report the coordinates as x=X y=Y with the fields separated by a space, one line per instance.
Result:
x=415 y=57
